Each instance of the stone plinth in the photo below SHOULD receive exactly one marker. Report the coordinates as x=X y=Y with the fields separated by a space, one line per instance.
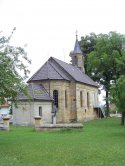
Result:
x=53 y=127
x=37 y=121
x=6 y=125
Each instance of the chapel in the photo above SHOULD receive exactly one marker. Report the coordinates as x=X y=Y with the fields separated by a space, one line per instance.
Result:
x=75 y=94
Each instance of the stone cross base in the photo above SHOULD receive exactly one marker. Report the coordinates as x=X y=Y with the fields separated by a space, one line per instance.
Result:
x=37 y=122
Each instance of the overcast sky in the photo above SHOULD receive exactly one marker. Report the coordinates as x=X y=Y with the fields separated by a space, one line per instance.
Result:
x=48 y=26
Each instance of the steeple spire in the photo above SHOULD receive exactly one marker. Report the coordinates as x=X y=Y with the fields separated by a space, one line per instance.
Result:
x=77 y=55
x=77 y=49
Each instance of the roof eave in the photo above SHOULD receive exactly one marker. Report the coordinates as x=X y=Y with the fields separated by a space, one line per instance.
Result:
x=48 y=79
x=32 y=100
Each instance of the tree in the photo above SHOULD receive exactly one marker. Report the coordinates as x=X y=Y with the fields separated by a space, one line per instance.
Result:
x=87 y=45
x=104 y=63
x=117 y=96
x=13 y=69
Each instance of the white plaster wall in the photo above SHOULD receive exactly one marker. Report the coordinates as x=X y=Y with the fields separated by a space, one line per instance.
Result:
x=25 y=113
x=46 y=111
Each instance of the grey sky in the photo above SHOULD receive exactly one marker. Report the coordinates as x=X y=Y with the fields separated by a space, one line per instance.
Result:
x=48 y=26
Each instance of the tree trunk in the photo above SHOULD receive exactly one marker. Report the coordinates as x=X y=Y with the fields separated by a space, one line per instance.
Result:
x=123 y=118
x=107 y=105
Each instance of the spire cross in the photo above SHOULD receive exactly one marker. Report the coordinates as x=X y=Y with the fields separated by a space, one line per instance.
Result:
x=76 y=34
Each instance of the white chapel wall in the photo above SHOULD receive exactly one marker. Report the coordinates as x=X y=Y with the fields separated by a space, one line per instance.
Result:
x=25 y=113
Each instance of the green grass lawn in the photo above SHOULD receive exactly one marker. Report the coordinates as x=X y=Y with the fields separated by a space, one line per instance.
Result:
x=100 y=143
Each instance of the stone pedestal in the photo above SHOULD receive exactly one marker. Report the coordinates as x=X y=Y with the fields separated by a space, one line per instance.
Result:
x=37 y=121
x=6 y=123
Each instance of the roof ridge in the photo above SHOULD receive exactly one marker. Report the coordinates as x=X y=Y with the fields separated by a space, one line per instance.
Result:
x=64 y=68
x=60 y=60
x=47 y=70
x=36 y=72
x=56 y=70
x=59 y=70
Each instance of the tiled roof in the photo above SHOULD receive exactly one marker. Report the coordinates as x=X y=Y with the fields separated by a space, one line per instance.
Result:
x=75 y=73
x=48 y=71
x=35 y=92
x=55 y=69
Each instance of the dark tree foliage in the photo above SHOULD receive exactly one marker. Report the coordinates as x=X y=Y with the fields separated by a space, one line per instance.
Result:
x=87 y=45
x=117 y=96
x=106 y=61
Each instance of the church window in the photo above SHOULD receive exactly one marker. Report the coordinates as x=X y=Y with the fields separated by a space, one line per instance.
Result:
x=40 y=111
x=87 y=99
x=65 y=98
x=55 y=97
x=81 y=99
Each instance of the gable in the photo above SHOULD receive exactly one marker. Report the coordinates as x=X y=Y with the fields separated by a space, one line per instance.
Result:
x=55 y=69
x=48 y=71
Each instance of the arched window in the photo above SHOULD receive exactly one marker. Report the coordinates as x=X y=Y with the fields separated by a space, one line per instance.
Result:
x=40 y=111
x=55 y=97
x=87 y=99
x=81 y=99
x=65 y=98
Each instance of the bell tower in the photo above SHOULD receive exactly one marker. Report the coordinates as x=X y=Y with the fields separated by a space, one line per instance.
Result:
x=77 y=56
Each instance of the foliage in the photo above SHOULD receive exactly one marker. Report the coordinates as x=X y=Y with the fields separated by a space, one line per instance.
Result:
x=100 y=143
x=87 y=45
x=115 y=110
x=13 y=68
x=107 y=60
x=117 y=93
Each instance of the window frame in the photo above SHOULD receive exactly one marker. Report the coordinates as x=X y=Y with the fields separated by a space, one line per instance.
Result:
x=40 y=111
x=65 y=99
x=81 y=99
x=88 y=99
x=55 y=97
